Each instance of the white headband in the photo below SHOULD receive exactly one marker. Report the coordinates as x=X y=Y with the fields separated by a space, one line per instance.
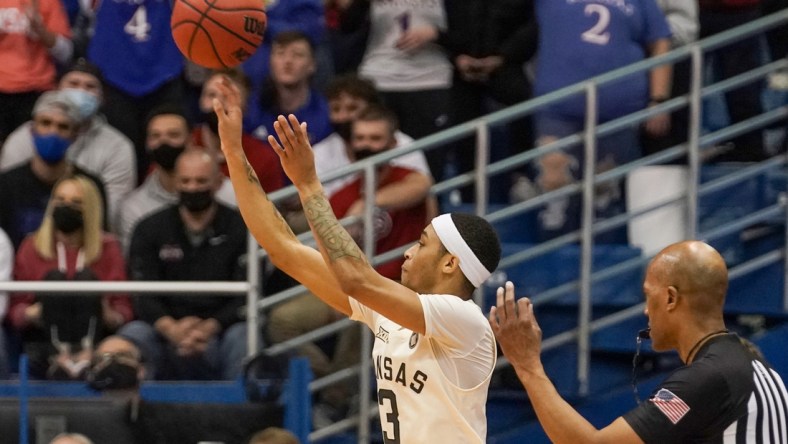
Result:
x=470 y=265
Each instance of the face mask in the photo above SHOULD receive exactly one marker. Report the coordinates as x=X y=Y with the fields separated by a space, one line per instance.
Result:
x=364 y=152
x=112 y=372
x=67 y=219
x=344 y=129
x=51 y=148
x=166 y=155
x=212 y=120
x=85 y=101
x=196 y=201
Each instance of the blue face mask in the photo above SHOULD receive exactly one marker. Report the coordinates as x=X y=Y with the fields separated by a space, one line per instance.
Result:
x=51 y=148
x=86 y=102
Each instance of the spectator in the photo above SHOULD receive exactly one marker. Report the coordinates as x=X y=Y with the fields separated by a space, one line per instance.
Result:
x=273 y=435
x=488 y=41
x=348 y=97
x=35 y=36
x=71 y=438
x=98 y=148
x=261 y=156
x=287 y=90
x=25 y=190
x=116 y=367
x=373 y=133
x=6 y=269
x=69 y=245
x=167 y=137
x=595 y=37
x=407 y=65
x=197 y=239
x=682 y=17
x=132 y=45
x=303 y=16
x=717 y=16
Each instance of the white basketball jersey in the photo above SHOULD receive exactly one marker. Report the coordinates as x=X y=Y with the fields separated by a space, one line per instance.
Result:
x=433 y=388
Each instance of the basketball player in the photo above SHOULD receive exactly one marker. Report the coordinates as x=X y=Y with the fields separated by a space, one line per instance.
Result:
x=434 y=350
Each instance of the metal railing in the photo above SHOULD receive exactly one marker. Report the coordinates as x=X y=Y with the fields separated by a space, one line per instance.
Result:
x=480 y=128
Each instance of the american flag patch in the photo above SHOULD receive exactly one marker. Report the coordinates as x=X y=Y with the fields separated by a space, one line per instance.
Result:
x=670 y=405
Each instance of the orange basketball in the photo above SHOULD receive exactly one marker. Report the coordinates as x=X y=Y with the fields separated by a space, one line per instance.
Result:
x=218 y=33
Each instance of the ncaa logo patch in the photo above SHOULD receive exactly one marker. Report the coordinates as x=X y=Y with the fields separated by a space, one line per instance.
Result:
x=414 y=339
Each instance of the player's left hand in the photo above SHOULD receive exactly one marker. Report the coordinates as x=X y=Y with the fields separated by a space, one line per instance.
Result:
x=228 y=110
x=295 y=151
x=516 y=330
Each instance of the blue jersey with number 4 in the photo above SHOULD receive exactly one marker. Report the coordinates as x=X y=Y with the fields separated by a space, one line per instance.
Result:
x=133 y=45
x=580 y=39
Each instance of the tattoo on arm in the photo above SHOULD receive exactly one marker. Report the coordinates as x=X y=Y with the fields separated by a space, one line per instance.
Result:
x=251 y=176
x=329 y=231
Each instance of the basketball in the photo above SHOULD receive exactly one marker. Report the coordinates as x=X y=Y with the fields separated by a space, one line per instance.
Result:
x=218 y=33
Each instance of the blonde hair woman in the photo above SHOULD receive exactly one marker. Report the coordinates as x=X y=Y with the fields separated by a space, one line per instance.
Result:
x=69 y=245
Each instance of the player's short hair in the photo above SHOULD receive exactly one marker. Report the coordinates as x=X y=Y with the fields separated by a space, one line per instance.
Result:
x=354 y=86
x=480 y=237
x=377 y=112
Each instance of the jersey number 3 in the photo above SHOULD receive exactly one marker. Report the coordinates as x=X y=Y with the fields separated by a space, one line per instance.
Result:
x=392 y=417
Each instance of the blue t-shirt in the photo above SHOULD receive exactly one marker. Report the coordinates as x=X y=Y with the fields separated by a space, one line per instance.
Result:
x=580 y=39
x=259 y=119
x=133 y=45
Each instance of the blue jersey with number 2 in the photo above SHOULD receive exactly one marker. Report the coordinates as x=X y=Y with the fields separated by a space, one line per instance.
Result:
x=580 y=39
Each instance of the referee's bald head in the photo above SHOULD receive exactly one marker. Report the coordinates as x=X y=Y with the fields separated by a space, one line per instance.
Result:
x=695 y=269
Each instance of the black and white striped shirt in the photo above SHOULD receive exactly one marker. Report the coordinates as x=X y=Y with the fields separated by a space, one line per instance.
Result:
x=727 y=395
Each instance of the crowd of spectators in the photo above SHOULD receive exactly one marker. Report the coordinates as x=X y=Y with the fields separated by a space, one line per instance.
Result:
x=109 y=172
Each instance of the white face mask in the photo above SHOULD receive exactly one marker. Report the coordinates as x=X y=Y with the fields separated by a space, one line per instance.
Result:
x=85 y=101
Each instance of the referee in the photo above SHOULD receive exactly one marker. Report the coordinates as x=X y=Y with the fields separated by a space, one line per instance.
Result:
x=725 y=392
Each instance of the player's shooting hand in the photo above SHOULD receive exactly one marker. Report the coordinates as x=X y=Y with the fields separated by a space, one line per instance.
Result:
x=295 y=151
x=516 y=330
x=228 y=109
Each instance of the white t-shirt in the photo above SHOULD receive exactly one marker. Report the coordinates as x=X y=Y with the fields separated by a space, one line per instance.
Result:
x=395 y=70
x=330 y=155
x=433 y=388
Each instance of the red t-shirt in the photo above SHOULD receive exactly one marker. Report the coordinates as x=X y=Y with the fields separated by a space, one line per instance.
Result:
x=30 y=266
x=27 y=65
x=261 y=156
x=393 y=228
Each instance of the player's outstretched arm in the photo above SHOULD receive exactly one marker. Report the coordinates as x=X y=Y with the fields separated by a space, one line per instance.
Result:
x=261 y=216
x=520 y=337
x=345 y=259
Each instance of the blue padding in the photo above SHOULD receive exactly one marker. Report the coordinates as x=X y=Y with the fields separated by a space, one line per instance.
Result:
x=758 y=292
x=563 y=266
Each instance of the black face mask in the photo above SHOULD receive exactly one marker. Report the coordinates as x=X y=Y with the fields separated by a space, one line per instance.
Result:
x=212 y=120
x=166 y=155
x=344 y=129
x=113 y=372
x=67 y=219
x=364 y=152
x=196 y=201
